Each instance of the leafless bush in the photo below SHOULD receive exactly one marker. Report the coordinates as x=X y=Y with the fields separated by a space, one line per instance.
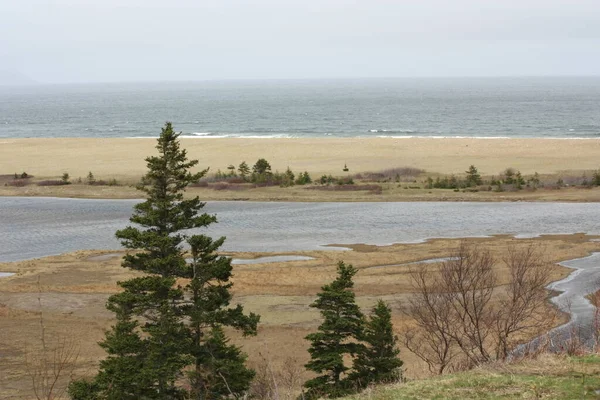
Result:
x=348 y=188
x=271 y=383
x=404 y=173
x=18 y=182
x=51 y=183
x=430 y=340
x=51 y=368
x=228 y=186
x=463 y=319
x=595 y=300
x=199 y=184
x=522 y=308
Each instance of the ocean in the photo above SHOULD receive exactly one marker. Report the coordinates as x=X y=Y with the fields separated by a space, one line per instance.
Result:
x=398 y=108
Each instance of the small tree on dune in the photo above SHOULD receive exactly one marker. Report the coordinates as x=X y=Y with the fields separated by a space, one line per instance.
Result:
x=288 y=178
x=473 y=177
x=243 y=170
x=379 y=362
x=336 y=337
x=90 y=178
x=261 y=167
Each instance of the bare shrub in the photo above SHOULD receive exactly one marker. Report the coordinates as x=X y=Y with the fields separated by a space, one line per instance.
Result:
x=18 y=182
x=404 y=173
x=348 y=188
x=429 y=339
x=52 y=367
x=522 y=308
x=271 y=383
x=51 y=183
x=199 y=184
x=463 y=319
x=227 y=186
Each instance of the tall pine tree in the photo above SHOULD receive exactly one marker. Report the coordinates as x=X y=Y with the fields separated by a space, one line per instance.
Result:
x=379 y=362
x=337 y=337
x=161 y=326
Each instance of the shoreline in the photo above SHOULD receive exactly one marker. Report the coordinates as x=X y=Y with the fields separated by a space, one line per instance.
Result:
x=300 y=194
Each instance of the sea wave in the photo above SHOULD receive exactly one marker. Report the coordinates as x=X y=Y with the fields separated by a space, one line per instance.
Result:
x=391 y=131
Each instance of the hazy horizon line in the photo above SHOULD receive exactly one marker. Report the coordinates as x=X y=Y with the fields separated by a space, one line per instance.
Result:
x=357 y=78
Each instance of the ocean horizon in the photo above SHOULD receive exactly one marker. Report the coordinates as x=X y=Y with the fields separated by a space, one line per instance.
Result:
x=519 y=107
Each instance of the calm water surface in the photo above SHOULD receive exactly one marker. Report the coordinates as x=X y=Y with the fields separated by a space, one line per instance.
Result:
x=36 y=227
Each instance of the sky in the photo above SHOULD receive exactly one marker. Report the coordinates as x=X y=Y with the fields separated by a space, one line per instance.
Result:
x=61 y=41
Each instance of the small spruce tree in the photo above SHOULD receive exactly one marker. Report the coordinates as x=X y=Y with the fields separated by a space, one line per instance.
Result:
x=336 y=338
x=473 y=177
x=162 y=327
x=243 y=170
x=288 y=178
x=261 y=167
x=90 y=178
x=379 y=362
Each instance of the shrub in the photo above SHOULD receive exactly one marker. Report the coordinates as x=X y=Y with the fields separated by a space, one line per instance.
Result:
x=261 y=167
x=375 y=189
x=406 y=173
x=303 y=179
x=18 y=183
x=52 y=183
x=90 y=178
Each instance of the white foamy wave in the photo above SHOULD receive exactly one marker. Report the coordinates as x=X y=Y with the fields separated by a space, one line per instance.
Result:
x=435 y=137
x=209 y=136
x=280 y=136
x=391 y=131
x=201 y=133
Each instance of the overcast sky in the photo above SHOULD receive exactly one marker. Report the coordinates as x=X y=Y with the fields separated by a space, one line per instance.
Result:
x=59 y=41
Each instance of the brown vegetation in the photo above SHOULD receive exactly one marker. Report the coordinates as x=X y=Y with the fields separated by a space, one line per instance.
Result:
x=75 y=288
x=462 y=317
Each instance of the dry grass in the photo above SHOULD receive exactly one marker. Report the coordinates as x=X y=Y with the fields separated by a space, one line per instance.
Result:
x=389 y=191
x=75 y=288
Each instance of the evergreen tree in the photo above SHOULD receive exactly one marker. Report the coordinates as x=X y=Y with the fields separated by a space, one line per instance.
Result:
x=222 y=372
x=243 y=170
x=473 y=177
x=90 y=178
x=303 y=178
x=288 y=178
x=207 y=308
x=379 y=362
x=261 y=167
x=337 y=336
x=160 y=325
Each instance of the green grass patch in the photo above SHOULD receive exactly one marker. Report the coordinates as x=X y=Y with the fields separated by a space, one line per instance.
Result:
x=548 y=378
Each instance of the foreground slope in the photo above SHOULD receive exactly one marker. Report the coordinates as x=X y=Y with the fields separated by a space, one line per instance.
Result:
x=547 y=377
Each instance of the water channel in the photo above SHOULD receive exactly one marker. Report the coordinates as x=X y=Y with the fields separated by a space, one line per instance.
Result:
x=37 y=227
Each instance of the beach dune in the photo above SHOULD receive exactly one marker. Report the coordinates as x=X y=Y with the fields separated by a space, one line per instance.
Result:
x=124 y=158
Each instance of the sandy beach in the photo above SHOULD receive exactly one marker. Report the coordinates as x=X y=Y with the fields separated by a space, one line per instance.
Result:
x=124 y=158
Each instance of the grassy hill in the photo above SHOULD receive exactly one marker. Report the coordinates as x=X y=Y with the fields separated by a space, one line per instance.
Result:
x=547 y=377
